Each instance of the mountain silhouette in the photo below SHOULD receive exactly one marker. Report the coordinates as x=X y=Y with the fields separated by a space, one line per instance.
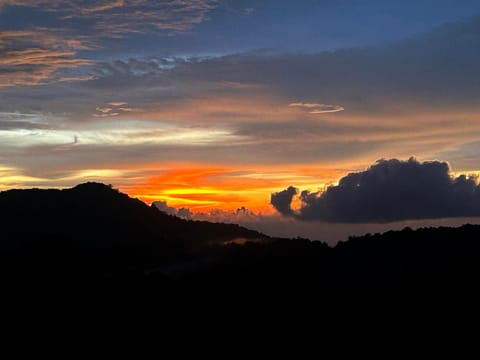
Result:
x=411 y=261
x=94 y=229
x=93 y=234
x=288 y=295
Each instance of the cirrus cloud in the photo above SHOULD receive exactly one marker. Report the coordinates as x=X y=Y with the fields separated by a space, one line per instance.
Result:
x=36 y=57
x=314 y=108
x=115 y=18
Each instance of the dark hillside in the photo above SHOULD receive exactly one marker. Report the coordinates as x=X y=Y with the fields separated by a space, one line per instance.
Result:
x=93 y=232
x=93 y=227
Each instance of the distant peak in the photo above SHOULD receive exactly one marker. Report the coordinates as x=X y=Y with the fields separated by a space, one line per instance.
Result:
x=93 y=186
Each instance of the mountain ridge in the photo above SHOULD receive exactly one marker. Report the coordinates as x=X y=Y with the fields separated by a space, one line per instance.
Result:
x=94 y=225
x=93 y=234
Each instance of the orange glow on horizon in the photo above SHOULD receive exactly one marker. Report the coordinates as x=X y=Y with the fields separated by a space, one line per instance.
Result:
x=202 y=188
x=198 y=187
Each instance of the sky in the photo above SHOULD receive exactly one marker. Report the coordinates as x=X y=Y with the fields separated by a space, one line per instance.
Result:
x=313 y=118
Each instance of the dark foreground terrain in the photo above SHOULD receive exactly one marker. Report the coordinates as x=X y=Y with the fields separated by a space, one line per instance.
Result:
x=185 y=285
x=92 y=235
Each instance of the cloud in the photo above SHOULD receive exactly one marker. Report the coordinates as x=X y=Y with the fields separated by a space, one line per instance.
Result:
x=36 y=57
x=103 y=110
x=115 y=18
x=108 y=5
x=13 y=177
x=390 y=190
x=327 y=109
x=24 y=122
x=163 y=206
x=260 y=129
x=113 y=109
x=104 y=115
x=42 y=37
x=136 y=67
x=314 y=108
x=438 y=69
x=306 y=105
x=282 y=201
x=381 y=85
x=25 y=138
x=240 y=215
x=185 y=213
x=76 y=78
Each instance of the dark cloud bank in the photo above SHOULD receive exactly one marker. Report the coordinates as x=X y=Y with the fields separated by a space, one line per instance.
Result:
x=390 y=190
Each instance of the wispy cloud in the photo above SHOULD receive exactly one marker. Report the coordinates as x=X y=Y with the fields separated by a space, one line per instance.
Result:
x=14 y=121
x=314 y=108
x=109 y=5
x=120 y=133
x=76 y=78
x=103 y=110
x=13 y=177
x=113 y=109
x=118 y=17
x=48 y=38
x=35 y=57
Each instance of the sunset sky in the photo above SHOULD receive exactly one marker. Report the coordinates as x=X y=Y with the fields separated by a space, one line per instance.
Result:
x=215 y=105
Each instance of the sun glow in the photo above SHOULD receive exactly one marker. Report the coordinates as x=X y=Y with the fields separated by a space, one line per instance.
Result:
x=203 y=188
x=198 y=187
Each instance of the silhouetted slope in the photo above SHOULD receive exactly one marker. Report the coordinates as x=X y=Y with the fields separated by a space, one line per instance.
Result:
x=95 y=227
x=422 y=260
x=94 y=232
